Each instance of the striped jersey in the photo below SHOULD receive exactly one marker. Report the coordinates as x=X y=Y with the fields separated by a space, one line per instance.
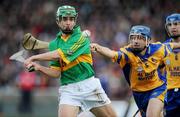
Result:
x=75 y=61
x=173 y=68
x=143 y=71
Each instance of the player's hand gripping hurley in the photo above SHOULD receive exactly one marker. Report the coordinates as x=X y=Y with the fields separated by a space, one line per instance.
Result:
x=18 y=56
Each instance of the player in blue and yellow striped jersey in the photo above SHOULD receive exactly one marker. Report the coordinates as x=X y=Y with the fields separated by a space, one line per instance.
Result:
x=141 y=62
x=173 y=67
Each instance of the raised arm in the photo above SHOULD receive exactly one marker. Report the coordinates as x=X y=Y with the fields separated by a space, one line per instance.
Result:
x=48 y=56
x=103 y=50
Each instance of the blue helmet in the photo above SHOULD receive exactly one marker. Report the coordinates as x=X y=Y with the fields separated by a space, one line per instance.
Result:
x=173 y=18
x=141 y=30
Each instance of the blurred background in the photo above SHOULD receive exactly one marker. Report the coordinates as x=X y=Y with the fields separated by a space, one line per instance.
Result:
x=24 y=94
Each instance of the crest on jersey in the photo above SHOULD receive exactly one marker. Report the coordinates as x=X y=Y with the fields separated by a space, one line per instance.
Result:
x=139 y=68
x=168 y=62
x=70 y=52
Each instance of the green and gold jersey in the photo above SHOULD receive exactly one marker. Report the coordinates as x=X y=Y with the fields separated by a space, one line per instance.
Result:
x=173 y=68
x=143 y=71
x=75 y=61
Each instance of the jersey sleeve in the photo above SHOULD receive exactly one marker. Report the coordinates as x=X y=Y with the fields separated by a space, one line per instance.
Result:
x=53 y=64
x=169 y=46
x=82 y=46
x=167 y=49
x=121 y=58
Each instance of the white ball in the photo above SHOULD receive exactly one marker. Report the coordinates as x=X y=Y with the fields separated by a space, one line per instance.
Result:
x=86 y=33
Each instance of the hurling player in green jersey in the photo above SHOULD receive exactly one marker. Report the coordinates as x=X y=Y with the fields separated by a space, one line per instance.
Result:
x=71 y=62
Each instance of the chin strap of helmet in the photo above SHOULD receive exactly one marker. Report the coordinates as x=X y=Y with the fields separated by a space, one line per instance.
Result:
x=147 y=42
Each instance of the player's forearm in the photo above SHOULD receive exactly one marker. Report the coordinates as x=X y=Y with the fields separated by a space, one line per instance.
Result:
x=105 y=51
x=48 y=56
x=49 y=72
x=176 y=45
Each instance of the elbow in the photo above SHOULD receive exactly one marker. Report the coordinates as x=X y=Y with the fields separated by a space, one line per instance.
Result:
x=53 y=73
x=57 y=74
x=56 y=55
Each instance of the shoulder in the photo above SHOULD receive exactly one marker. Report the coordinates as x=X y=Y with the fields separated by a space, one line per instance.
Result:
x=55 y=40
x=79 y=38
x=156 y=45
x=168 y=40
x=53 y=43
x=126 y=49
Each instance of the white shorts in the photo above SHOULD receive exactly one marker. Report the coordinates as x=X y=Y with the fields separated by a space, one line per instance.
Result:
x=86 y=94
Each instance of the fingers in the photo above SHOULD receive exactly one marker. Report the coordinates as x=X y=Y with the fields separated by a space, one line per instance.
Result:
x=32 y=67
x=29 y=65
x=27 y=62
x=93 y=47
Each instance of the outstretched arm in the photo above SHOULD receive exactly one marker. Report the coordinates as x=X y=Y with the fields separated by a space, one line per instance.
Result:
x=176 y=45
x=48 y=56
x=103 y=50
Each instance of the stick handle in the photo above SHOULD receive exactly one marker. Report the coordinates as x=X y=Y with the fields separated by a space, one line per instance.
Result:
x=41 y=45
x=31 y=69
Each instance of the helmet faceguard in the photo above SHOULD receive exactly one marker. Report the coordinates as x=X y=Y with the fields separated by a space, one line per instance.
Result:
x=141 y=30
x=172 y=19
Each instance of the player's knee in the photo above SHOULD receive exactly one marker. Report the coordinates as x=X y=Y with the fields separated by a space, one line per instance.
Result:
x=108 y=115
x=153 y=114
x=103 y=113
x=111 y=114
